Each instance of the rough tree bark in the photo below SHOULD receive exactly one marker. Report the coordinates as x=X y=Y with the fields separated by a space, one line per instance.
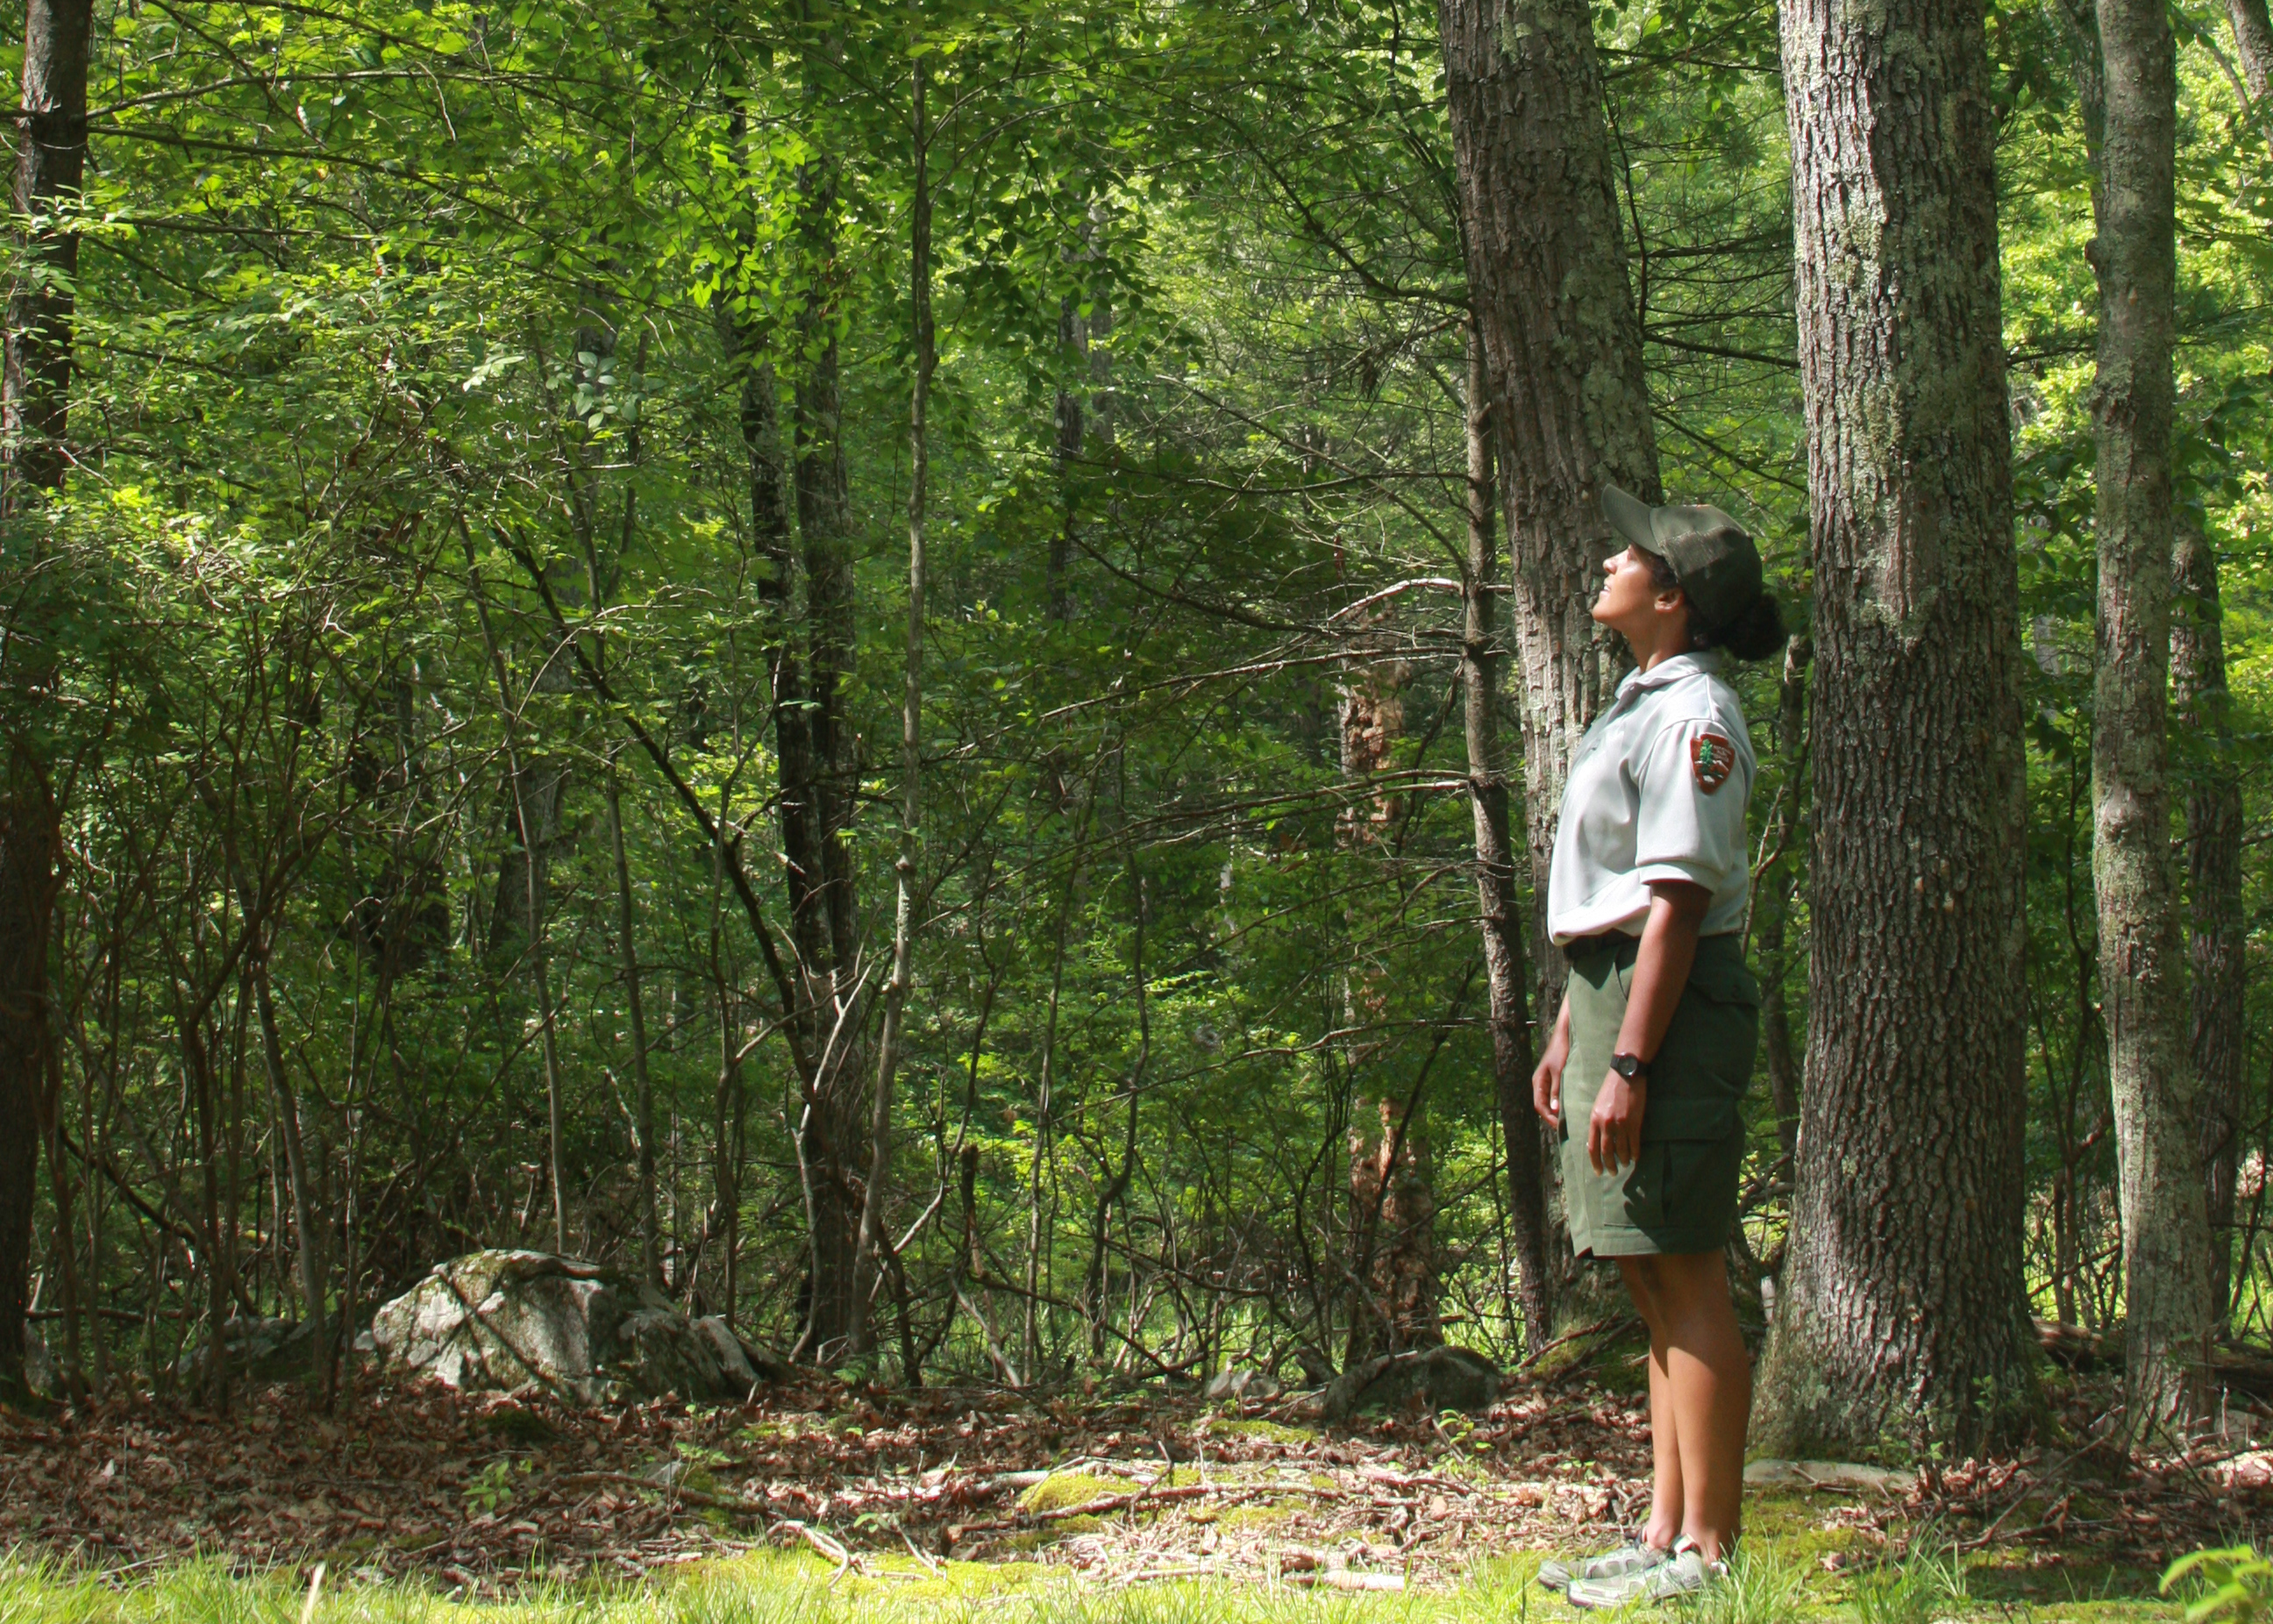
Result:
x=1900 y=1320
x=34 y=426
x=1773 y=898
x=1570 y=411
x=2252 y=41
x=1499 y=907
x=2216 y=948
x=2158 y=1155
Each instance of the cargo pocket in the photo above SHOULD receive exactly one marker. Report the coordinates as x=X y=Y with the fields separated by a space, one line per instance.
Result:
x=1705 y=1065
x=1694 y=1170
x=1643 y=1205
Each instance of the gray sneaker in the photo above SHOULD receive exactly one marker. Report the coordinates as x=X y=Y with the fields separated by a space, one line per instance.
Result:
x=1684 y=1573
x=1639 y=1557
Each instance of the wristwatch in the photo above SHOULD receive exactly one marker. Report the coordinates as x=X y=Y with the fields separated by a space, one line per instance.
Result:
x=1632 y=1067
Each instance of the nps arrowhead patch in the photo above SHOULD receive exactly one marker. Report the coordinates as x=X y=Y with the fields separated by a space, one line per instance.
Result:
x=1711 y=758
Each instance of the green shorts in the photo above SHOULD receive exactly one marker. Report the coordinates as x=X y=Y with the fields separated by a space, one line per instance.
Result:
x=1681 y=1196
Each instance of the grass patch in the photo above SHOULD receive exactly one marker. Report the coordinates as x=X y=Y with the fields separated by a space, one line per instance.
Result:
x=1062 y=1489
x=771 y=1589
x=1268 y=1432
x=1763 y=1587
x=1771 y=1583
x=1931 y=1584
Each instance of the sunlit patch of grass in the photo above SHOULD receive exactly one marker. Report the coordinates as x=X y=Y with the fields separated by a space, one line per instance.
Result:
x=1768 y=1584
x=1264 y=1431
x=1062 y=1489
x=1763 y=1586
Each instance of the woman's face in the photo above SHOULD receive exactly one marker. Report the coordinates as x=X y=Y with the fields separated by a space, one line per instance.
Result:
x=1628 y=602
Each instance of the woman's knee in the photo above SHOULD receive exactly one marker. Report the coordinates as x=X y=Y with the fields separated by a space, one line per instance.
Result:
x=1643 y=1285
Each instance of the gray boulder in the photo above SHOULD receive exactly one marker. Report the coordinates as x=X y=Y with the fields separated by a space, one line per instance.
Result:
x=259 y=1350
x=1428 y=1378
x=506 y=1321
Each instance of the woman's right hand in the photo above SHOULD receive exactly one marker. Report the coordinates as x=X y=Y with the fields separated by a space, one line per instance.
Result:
x=1547 y=1077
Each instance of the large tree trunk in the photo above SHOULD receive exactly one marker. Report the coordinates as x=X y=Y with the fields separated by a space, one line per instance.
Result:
x=2158 y=1155
x=1776 y=888
x=35 y=405
x=1901 y=1317
x=1499 y=909
x=1570 y=411
x=2216 y=951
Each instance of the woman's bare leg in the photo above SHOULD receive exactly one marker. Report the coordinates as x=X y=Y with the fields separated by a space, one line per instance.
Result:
x=1668 y=1505
x=1709 y=1376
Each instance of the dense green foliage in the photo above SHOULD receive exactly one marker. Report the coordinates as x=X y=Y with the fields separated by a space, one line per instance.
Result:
x=408 y=407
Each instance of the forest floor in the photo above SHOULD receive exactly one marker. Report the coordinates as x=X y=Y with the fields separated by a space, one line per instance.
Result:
x=948 y=1491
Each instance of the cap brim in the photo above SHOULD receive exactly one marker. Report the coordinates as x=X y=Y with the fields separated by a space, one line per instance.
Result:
x=1629 y=516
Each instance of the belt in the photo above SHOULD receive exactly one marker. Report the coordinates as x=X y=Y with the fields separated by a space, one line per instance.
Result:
x=1613 y=941
x=1607 y=941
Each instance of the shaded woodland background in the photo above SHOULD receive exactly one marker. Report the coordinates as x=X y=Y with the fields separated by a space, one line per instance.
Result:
x=466 y=664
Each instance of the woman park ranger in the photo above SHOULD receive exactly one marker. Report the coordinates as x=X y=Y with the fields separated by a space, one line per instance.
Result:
x=1652 y=1048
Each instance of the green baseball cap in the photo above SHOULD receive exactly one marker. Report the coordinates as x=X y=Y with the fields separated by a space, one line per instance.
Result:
x=1711 y=556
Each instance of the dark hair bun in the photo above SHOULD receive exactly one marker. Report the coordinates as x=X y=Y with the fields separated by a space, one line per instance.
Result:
x=1754 y=634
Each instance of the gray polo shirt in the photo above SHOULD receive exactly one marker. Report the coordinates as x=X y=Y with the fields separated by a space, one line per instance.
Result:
x=1657 y=791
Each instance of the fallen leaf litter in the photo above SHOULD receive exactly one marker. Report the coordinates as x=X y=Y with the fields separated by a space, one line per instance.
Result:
x=483 y=1493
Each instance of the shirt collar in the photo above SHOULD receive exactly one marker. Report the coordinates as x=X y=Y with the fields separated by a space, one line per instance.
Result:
x=1704 y=663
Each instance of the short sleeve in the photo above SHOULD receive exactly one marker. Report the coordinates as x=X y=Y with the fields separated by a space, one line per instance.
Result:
x=1690 y=823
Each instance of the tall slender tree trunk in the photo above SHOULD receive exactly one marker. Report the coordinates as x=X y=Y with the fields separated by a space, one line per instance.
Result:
x=2158 y=1155
x=65 y=1250
x=599 y=588
x=2217 y=947
x=197 y=1058
x=642 y=1088
x=1901 y=1318
x=831 y=1128
x=287 y=1104
x=2253 y=42
x=35 y=428
x=1498 y=907
x=1391 y=1259
x=304 y=1230
x=1562 y=341
x=530 y=827
x=873 y=1239
x=722 y=1226
x=812 y=477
